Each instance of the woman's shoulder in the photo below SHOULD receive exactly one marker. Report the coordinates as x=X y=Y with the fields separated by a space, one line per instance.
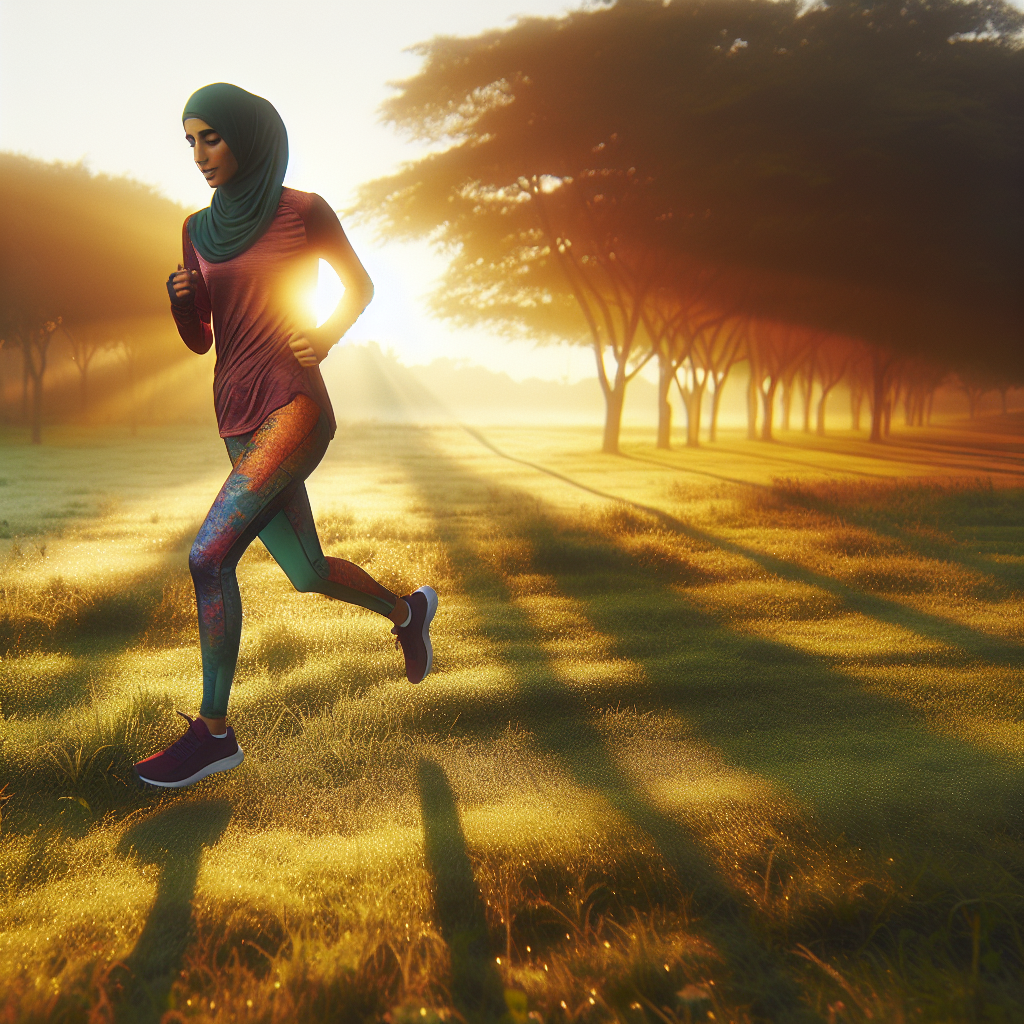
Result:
x=302 y=202
x=320 y=221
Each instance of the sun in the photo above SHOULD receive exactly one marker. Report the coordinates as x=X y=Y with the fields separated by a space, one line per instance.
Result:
x=329 y=291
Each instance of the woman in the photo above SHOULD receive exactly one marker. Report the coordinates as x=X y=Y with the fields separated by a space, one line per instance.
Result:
x=245 y=258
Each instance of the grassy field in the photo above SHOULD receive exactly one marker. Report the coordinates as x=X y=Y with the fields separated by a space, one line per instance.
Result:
x=732 y=734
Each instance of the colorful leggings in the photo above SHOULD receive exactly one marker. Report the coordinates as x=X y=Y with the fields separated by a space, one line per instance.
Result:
x=265 y=496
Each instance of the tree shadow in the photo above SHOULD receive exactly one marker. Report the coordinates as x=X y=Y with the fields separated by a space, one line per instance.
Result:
x=975 y=643
x=475 y=982
x=173 y=840
x=822 y=734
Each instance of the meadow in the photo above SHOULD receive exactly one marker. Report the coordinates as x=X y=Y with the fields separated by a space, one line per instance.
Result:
x=727 y=734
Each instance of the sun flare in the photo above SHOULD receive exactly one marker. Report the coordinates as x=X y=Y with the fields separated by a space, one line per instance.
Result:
x=329 y=291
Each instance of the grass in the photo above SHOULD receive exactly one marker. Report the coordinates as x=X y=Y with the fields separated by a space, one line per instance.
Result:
x=732 y=734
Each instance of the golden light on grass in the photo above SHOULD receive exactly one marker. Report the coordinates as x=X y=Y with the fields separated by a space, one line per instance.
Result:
x=748 y=703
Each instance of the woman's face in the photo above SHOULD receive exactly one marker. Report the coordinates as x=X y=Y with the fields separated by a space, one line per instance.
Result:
x=212 y=156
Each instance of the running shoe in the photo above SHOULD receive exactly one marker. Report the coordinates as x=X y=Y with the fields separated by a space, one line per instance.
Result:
x=414 y=639
x=196 y=755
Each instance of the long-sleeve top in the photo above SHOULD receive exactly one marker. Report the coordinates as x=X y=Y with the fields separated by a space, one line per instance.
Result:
x=252 y=304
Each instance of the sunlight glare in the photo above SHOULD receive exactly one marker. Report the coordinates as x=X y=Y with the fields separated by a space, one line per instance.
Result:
x=329 y=291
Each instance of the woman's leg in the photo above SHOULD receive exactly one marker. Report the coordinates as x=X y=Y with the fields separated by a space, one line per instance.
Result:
x=267 y=473
x=265 y=486
x=291 y=538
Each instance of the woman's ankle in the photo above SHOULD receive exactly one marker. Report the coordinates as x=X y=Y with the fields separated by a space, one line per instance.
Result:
x=401 y=613
x=216 y=726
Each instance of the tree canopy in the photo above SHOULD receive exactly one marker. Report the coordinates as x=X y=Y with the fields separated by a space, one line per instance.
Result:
x=81 y=246
x=76 y=249
x=854 y=168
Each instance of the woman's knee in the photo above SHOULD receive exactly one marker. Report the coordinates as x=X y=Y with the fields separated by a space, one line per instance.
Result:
x=305 y=580
x=203 y=564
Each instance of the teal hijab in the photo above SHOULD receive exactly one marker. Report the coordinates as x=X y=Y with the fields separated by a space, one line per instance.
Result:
x=242 y=209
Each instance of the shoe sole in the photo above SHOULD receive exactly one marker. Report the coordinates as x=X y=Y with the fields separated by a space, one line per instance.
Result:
x=223 y=765
x=431 y=595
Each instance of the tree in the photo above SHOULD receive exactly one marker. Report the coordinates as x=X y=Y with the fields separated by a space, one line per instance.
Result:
x=83 y=344
x=775 y=350
x=721 y=357
x=77 y=248
x=831 y=362
x=847 y=169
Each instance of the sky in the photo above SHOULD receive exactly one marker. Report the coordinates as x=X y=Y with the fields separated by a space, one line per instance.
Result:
x=105 y=83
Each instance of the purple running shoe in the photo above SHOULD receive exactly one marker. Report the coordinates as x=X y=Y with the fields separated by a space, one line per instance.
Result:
x=196 y=755
x=414 y=639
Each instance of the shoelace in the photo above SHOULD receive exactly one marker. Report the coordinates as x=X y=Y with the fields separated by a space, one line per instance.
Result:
x=187 y=744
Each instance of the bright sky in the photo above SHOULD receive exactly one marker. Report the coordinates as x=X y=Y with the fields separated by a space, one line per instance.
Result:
x=105 y=82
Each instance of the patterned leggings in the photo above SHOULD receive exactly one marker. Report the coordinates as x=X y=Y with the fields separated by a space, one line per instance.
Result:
x=265 y=496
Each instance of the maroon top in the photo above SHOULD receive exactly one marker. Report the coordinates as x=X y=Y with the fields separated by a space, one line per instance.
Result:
x=256 y=303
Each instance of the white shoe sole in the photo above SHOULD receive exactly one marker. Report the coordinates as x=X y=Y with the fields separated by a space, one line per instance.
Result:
x=223 y=765
x=431 y=595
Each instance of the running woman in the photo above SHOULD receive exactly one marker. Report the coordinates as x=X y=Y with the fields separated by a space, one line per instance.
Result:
x=245 y=257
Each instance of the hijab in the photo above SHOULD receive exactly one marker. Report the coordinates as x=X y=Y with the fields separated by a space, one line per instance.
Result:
x=242 y=209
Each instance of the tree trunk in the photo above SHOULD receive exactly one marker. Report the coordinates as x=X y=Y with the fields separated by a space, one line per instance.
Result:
x=878 y=401
x=83 y=391
x=856 y=401
x=665 y=376
x=928 y=409
x=25 y=375
x=37 y=408
x=787 y=401
x=807 y=405
x=751 y=408
x=820 y=426
x=716 y=401
x=768 y=411
x=694 y=401
x=614 y=399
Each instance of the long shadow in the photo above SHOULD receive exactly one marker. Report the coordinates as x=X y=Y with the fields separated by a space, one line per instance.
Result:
x=975 y=643
x=476 y=985
x=741 y=694
x=662 y=464
x=888 y=453
x=751 y=458
x=1007 y=574
x=1003 y=451
x=758 y=977
x=173 y=840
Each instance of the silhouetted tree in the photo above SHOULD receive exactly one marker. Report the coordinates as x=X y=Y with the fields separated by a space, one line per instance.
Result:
x=76 y=248
x=832 y=360
x=83 y=344
x=852 y=168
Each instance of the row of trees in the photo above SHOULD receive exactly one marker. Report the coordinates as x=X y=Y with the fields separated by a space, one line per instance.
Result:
x=826 y=191
x=79 y=255
x=26 y=357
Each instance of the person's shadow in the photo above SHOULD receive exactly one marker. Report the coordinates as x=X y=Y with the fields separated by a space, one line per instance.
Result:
x=174 y=841
x=476 y=985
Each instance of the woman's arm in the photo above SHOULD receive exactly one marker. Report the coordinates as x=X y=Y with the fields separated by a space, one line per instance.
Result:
x=190 y=301
x=328 y=241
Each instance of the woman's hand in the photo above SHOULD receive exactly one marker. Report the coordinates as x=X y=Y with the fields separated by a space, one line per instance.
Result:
x=184 y=284
x=303 y=349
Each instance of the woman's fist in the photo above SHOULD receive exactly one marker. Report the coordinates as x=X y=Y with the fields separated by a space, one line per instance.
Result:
x=302 y=349
x=182 y=285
